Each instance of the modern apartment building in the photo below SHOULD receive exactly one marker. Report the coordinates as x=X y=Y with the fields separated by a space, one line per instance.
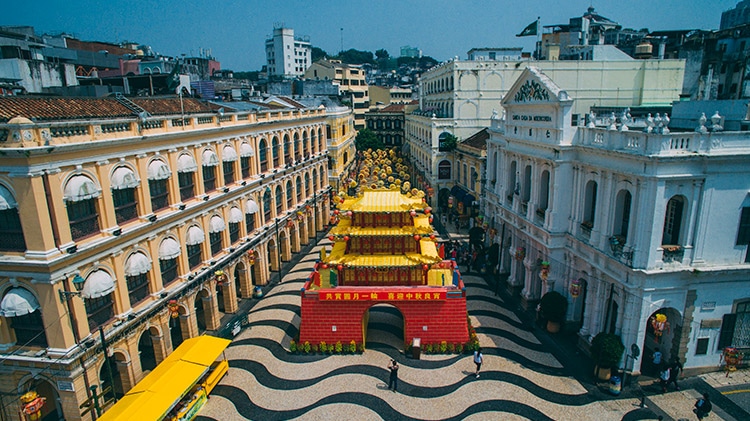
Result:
x=141 y=223
x=287 y=55
x=352 y=85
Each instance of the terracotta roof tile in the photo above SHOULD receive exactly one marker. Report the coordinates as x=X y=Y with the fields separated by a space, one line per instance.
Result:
x=478 y=140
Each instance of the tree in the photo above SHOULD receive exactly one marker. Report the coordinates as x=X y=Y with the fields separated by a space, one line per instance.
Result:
x=367 y=139
x=317 y=54
x=352 y=56
x=381 y=54
x=447 y=142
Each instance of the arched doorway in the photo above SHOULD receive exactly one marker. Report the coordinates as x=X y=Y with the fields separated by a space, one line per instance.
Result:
x=286 y=254
x=175 y=329
x=383 y=324
x=110 y=380
x=239 y=278
x=200 y=313
x=220 y=298
x=662 y=336
x=579 y=287
x=146 y=351
x=52 y=409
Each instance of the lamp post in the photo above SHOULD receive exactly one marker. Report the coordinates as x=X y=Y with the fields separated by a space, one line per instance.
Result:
x=278 y=247
x=65 y=295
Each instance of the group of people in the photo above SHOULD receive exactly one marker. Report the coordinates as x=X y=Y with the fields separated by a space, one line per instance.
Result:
x=393 y=369
x=668 y=372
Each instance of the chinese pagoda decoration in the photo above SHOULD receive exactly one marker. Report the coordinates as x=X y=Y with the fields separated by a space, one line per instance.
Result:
x=383 y=251
x=32 y=405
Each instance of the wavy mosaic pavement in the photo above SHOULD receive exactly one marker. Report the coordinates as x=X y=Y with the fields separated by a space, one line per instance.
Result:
x=520 y=378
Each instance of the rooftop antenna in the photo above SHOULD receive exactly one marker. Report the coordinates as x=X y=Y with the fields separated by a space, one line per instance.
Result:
x=342 y=40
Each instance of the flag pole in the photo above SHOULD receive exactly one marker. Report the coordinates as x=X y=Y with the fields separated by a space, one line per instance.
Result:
x=538 y=37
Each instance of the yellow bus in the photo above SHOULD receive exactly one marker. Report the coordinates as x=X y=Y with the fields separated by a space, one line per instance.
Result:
x=178 y=387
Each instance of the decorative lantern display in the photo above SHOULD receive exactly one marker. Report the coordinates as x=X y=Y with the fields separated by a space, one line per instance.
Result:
x=221 y=277
x=575 y=288
x=32 y=405
x=544 y=272
x=324 y=266
x=346 y=238
x=340 y=267
x=174 y=309
x=520 y=253
x=660 y=324
x=425 y=267
x=251 y=257
x=432 y=236
x=427 y=211
x=413 y=213
x=332 y=238
x=732 y=358
x=417 y=237
x=349 y=213
x=336 y=212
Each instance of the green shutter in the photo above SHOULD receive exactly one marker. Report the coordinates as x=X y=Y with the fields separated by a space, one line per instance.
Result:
x=743 y=232
x=727 y=330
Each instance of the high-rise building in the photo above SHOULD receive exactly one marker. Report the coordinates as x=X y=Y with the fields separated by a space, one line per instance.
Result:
x=287 y=55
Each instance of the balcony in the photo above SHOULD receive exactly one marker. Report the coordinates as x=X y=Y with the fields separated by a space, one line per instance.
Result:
x=672 y=253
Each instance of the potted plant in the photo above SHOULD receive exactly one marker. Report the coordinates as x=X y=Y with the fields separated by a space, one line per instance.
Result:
x=606 y=349
x=554 y=307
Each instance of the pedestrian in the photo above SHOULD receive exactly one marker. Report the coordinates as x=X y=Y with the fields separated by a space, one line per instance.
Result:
x=656 y=360
x=664 y=377
x=674 y=373
x=393 y=381
x=702 y=406
x=478 y=360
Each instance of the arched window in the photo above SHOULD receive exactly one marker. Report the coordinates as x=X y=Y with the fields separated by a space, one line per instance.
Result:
x=193 y=240
x=210 y=162
x=246 y=153
x=307 y=185
x=169 y=251
x=673 y=221
x=97 y=296
x=622 y=215
x=267 y=205
x=23 y=311
x=297 y=148
x=287 y=156
x=228 y=157
x=263 y=155
x=305 y=144
x=298 y=188
x=80 y=199
x=275 y=152
x=186 y=168
x=315 y=180
x=10 y=223
x=158 y=184
x=124 y=183
x=289 y=195
x=251 y=208
x=321 y=140
x=235 y=218
x=137 y=268
x=215 y=227
x=526 y=196
x=544 y=191
x=279 y=201
x=589 y=205
x=444 y=170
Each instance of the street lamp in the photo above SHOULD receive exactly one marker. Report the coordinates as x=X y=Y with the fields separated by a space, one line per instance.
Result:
x=78 y=283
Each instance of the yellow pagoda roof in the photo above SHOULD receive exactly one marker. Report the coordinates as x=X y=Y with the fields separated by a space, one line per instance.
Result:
x=429 y=255
x=381 y=200
x=379 y=231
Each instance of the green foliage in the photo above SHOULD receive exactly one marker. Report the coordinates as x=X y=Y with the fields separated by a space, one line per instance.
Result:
x=429 y=349
x=339 y=347
x=353 y=56
x=447 y=142
x=253 y=76
x=317 y=54
x=292 y=346
x=331 y=348
x=367 y=139
x=607 y=349
x=352 y=346
x=361 y=347
x=314 y=348
x=307 y=347
x=554 y=306
x=381 y=54
x=323 y=346
x=443 y=347
x=424 y=62
x=459 y=348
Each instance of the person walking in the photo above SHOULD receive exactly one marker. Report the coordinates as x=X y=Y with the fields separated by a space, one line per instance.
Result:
x=393 y=381
x=664 y=377
x=478 y=360
x=702 y=406
x=656 y=360
x=674 y=373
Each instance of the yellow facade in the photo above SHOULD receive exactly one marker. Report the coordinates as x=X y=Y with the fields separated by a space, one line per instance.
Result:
x=351 y=81
x=138 y=212
x=341 y=148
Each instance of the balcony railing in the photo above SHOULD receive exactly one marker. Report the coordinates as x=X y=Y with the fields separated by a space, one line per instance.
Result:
x=672 y=253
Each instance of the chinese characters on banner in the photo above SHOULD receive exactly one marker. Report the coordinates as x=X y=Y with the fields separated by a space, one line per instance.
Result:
x=382 y=296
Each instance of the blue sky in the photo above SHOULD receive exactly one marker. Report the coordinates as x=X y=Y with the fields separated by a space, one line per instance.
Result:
x=235 y=30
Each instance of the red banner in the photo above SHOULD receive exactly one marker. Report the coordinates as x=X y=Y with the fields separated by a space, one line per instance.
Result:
x=351 y=295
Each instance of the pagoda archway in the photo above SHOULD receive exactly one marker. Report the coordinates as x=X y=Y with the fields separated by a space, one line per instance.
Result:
x=385 y=324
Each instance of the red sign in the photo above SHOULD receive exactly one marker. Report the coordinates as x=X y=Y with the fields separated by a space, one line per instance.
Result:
x=382 y=295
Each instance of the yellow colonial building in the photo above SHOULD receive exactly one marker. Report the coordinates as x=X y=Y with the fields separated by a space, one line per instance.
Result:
x=351 y=81
x=341 y=148
x=141 y=224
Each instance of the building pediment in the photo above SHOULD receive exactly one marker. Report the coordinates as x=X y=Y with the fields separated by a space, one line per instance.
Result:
x=534 y=87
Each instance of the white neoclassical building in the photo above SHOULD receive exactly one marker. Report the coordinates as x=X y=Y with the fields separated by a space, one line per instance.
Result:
x=630 y=223
x=459 y=97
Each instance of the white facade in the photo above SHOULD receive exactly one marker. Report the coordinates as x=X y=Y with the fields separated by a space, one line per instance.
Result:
x=287 y=55
x=645 y=223
x=461 y=96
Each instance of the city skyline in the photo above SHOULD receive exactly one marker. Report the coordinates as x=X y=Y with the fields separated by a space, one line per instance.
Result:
x=225 y=30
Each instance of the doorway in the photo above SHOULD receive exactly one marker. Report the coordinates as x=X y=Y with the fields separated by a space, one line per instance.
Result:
x=383 y=325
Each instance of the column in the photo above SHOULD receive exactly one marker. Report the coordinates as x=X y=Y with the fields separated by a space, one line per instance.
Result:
x=211 y=310
x=230 y=294
x=38 y=213
x=143 y=192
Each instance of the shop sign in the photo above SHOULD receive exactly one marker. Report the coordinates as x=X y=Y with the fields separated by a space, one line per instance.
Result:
x=382 y=296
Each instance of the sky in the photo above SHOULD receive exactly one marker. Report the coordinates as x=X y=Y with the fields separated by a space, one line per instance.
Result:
x=235 y=30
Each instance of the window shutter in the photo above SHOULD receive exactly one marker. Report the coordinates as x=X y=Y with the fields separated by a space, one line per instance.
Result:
x=743 y=232
x=727 y=330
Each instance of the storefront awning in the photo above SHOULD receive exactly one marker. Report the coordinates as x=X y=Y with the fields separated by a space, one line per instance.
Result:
x=251 y=207
x=186 y=163
x=458 y=192
x=6 y=200
x=158 y=170
x=124 y=178
x=246 y=150
x=235 y=215
x=169 y=249
x=468 y=199
x=195 y=236
x=209 y=158
x=216 y=224
x=18 y=302
x=228 y=154
x=80 y=188
x=137 y=264
x=98 y=284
